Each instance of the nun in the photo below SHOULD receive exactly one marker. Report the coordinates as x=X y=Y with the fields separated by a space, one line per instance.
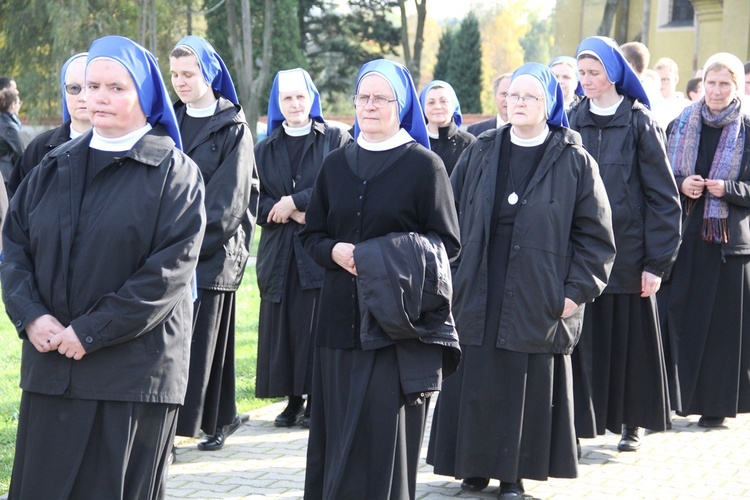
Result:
x=372 y=394
x=619 y=367
x=75 y=121
x=101 y=294
x=536 y=245
x=442 y=112
x=216 y=136
x=288 y=279
x=565 y=70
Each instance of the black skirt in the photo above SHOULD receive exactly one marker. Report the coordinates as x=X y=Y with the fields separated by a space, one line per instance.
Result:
x=708 y=301
x=209 y=402
x=285 y=332
x=364 y=439
x=619 y=370
x=73 y=448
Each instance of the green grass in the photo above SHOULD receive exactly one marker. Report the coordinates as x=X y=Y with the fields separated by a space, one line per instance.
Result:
x=248 y=303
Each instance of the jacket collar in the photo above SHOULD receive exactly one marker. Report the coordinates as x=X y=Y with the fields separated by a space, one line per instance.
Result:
x=621 y=117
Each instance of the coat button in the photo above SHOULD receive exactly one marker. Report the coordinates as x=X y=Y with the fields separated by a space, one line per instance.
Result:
x=89 y=340
x=502 y=341
x=509 y=294
x=516 y=247
x=299 y=261
x=18 y=323
x=523 y=202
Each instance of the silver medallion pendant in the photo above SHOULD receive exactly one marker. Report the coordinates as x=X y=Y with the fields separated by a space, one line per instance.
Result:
x=513 y=198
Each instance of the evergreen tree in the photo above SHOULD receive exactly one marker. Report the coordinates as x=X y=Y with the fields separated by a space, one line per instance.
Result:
x=447 y=41
x=465 y=65
x=537 y=43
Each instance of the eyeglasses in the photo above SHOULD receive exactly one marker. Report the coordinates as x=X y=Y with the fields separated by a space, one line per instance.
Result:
x=378 y=101
x=73 y=89
x=524 y=98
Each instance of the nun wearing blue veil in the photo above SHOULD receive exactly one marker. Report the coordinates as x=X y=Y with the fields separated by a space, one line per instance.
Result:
x=372 y=391
x=620 y=372
x=101 y=294
x=442 y=112
x=216 y=136
x=75 y=120
x=289 y=281
x=565 y=70
x=525 y=193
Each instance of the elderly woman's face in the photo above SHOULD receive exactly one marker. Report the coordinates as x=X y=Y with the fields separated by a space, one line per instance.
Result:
x=526 y=104
x=720 y=90
x=438 y=107
x=188 y=82
x=377 y=124
x=112 y=99
x=74 y=76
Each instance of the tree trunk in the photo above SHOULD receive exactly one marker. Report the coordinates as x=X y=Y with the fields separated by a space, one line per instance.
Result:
x=610 y=9
x=646 y=22
x=265 y=66
x=419 y=39
x=405 y=35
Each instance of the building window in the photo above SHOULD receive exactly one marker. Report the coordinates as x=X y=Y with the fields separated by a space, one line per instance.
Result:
x=681 y=13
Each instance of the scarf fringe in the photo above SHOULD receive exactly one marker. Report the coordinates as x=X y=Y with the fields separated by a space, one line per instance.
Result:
x=715 y=230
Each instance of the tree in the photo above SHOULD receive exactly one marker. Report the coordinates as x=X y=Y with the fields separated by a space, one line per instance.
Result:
x=465 y=65
x=610 y=9
x=537 y=43
x=413 y=59
x=445 y=53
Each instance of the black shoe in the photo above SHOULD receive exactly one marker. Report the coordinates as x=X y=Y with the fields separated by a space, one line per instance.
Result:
x=212 y=443
x=306 y=417
x=292 y=414
x=631 y=438
x=475 y=483
x=230 y=429
x=511 y=490
x=711 y=422
x=579 y=450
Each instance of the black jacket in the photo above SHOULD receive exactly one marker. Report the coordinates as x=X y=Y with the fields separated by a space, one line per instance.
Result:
x=277 y=241
x=738 y=197
x=223 y=150
x=450 y=143
x=411 y=195
x=116 y=264
x=35 y=151
x=646 y=213
x=476 y=129
x=11 y=144
x=562 y=245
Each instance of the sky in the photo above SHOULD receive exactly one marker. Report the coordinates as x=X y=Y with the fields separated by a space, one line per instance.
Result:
x=447 y=9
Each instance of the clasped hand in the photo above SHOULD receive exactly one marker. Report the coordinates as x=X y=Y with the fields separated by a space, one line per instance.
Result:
x=47 y=334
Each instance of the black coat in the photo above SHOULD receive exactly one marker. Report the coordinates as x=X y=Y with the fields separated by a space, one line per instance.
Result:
x=277 y=241
x=562 y=245
x=450 y=143
x=476 y=129
x=411 y=195
x=646 y=213
x=11 y=144
x=223 y=150
x=116 y=264
x=35 y=151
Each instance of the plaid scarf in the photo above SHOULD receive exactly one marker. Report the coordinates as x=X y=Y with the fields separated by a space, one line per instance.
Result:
x=682 y=150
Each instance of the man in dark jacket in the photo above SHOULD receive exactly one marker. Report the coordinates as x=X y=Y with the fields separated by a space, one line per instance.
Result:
x=75 y=116
x=218 y=139
x=500 y=91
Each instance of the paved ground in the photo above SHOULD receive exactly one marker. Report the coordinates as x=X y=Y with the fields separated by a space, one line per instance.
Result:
x=261 y=461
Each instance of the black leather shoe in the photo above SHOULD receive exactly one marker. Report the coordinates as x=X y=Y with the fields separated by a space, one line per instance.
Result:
x=230 y=429
x=306 y=417
x=579 y=450
x=711 y=422
x=511 y=490
x=631 y=438
x=475 y=483
x=292 y=414
x=212 y=443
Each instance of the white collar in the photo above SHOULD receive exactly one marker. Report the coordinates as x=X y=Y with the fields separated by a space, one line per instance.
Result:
x=297 y=131
x=529 y=143
x=398 y=139
x=124 y=143
x=202 y=112
x=500 y=122
x=609 y=110
x=74 y=133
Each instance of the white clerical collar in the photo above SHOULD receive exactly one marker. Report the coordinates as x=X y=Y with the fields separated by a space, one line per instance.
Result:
x=431 y=135
x=398 y=139
x=74 y=133
x=202 y=112
x=500 y=122
x=608 y=111
x=297 y=131
x=124 y=143
x=529 y=143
